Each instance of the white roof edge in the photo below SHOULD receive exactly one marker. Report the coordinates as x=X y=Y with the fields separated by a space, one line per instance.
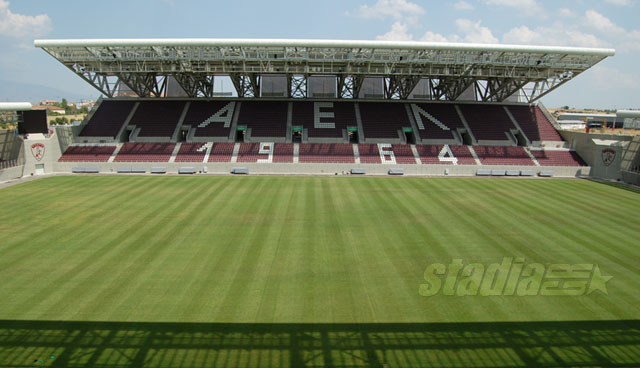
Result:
x=628 y=113
x=15 y=106
x=320 y=43
x=595 y=114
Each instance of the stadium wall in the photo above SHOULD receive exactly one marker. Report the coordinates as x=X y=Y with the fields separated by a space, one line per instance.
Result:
x=11 y=173
x=66 y=135
x=12 y=154
x=41 y=153
x=602 y=152
x=314 y=168
x=631 y=162
x=10 y=145
x=631 y=177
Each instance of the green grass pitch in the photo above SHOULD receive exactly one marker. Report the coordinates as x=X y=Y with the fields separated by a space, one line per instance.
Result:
x=168 y=263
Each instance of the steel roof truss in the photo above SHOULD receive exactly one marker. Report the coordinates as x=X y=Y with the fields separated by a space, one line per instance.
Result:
x=451 y=69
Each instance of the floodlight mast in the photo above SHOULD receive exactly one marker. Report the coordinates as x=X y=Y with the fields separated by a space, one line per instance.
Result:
x=492 y=72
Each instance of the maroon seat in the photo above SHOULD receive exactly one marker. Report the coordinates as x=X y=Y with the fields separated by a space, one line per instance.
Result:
x=557 y=158
x=108 y=119
x=145 y=152
x=444 y=113
x=383 y=120
x=210 y=117
x=429 y=154
x=490 y=155
x=344 y=115
x=87 y=154
x=221 y=152
x=250 y=152
x=403 y=154
x=369 y=154
x=534 y=123
x=283 y=152
x=326 y=153
x=487 y=122
x=192 y=152
x=157 y=118
x=265 y=118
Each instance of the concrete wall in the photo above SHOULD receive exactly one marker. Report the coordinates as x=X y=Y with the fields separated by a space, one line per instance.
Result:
x=631 y=162
x=41 y=151
x=11 y=173
x=631 y=155
x=594 y=153
x=10 y=145
x=318 y=169
x=11 y=149
x=66 y=135
x=631 y=177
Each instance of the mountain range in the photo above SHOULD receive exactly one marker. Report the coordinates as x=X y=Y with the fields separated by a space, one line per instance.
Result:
x=11 y=91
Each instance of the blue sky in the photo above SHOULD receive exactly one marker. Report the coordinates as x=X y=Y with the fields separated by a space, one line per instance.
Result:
x=614 y=83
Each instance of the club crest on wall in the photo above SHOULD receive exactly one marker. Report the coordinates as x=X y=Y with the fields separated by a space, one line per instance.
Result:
x=608 y=155
x=37 y=149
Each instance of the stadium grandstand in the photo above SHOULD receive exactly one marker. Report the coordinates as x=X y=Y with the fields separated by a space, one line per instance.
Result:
x=118 y=261
x=318 y=106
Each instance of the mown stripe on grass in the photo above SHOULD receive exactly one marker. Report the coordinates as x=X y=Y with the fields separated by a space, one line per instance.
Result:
x=319 y=249
x=276 y=278
x=169 y=275
x=354 y=253
x=236 y=303
x=404 y=244
x=52 y=271
x=487 y=245
x=196 y=299
x=287 y=267
x=204 y=301
x=589 y=236
x=544 y=303
x=116 y=261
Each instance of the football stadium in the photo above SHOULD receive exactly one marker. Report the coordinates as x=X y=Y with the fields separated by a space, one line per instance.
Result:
x=352 y=204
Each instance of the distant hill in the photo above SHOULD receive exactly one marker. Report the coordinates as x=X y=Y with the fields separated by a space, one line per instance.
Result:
x=26 y=92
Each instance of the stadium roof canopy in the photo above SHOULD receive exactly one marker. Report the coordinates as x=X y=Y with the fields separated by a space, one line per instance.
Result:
x=9 y=111
x=15 y=106
x=631 y=114
x=492 y=72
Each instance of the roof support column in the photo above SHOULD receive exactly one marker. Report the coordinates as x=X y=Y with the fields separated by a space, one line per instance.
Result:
x=543 y=87
x=297 y=86
x=349 y=86
x=106 y=84
x=195 y=85
x=499 y=89
x=400 y=86
x=145 y=85
x=247 y=85
x=451 y=88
